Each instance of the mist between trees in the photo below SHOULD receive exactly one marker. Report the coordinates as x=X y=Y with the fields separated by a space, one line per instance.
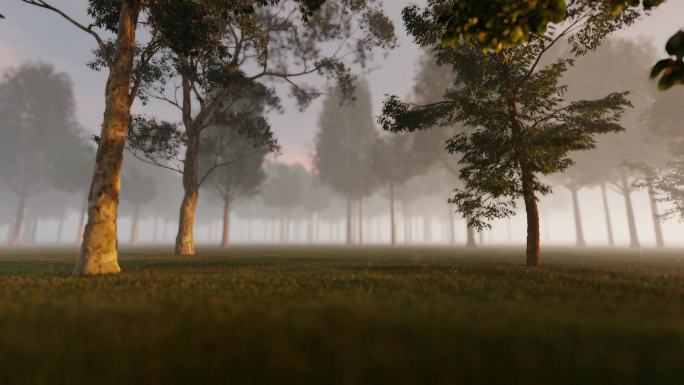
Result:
x=561 y=139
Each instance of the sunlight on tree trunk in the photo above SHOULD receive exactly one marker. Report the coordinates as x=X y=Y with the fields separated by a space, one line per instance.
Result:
x=99 y=253
x=579 y=231
x=185 y=242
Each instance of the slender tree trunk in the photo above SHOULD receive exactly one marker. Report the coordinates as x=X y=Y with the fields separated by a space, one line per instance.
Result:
x=606 y=213
x=579 y=231
x=287 y=225
x=393 y=232
x=134 y=225
x=657 y=228
x=15 y=240
x=81 y=220
x=631 y=222
x=310 y=228
x=99 y=254
x=226 y=223
x=480 y=235
x=317 y=228
x=349 y=221
x=60 y=229
x=452 y=226
x=34 y=230
x=470 y=242
x=360 y=220
x=533 y=251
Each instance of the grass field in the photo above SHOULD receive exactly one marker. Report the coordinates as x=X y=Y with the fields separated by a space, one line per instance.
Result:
x=345 y=316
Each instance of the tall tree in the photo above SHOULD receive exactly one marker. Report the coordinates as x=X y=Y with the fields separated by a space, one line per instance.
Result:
x=39 y=132
x=139 y=189
x=344 y=145
x=283 y=190
x=520 y=125
x=266 y=45
x=128 y=63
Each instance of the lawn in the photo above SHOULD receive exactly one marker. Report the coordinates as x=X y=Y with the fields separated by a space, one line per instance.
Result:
x=345 y=316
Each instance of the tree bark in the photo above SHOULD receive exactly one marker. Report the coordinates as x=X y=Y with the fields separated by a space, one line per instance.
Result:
x=134 y=225
x=657 y=228
x=185 y=242
x=606 y=213
x=15 y=240
x=226 y=223
x=99 y=254
x=579 y=231
x=629 y=208
x=393 y=233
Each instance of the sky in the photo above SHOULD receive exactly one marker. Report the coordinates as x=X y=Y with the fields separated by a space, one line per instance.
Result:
x=32 y=34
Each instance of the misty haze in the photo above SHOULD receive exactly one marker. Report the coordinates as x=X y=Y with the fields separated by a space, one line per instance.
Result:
x=342 y=192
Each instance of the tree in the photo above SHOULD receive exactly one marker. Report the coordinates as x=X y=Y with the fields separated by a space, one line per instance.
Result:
x=238 y=179
x=344 y=145
x=245 y=49
x=139 y=189
x=283 y=190
x=129 y=68
x=38 y=130
x=520 y=125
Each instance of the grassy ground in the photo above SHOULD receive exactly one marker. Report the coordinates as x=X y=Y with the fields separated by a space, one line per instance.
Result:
x=336 y=316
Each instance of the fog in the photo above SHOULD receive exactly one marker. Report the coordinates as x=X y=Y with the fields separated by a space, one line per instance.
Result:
x=328 y=183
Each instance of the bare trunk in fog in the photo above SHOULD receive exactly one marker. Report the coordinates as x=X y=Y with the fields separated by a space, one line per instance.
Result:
x=579 y=231
x=393 y=232
x=60 y=228
x=99 y=254
x=606 y=213
x=34 y=230
x=427 y=229
x=360 y=221
x=349 y=221
x=480 y=235
x=134 y=225
x=655 y=213
x=226 y=223
x=15 y=239
x=470 y=242
x=155 y=229
x=452 y=226
x=629 y=208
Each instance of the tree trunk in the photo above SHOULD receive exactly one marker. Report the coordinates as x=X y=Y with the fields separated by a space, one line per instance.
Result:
x=15 y=240
x=452 y=226
x=99 y=254
x=185 y=242
x=34 y=230
x=134 y=225
x=606 y=213
x=287 y=225
x=360 y=220
x=349 y=221
x=631 y=222
x=226 y=223
x=480 y=234
x=470 y=242
x=657 y=228
x=533 y=252
x=393 y=232
x=579 y=231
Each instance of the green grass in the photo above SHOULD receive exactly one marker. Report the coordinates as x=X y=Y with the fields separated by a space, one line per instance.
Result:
x=345 y=316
